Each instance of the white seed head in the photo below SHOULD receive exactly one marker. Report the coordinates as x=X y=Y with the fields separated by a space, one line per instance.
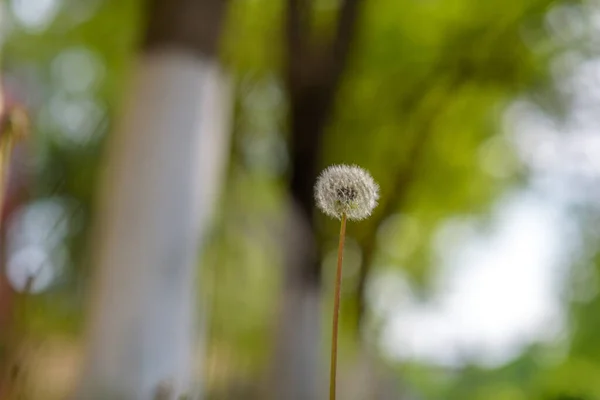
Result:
x=346 y=189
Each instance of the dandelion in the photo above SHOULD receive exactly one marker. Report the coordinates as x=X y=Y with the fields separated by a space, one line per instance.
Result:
x=344 y=192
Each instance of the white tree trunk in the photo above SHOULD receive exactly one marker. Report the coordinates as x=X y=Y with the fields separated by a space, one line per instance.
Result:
x=162 y=175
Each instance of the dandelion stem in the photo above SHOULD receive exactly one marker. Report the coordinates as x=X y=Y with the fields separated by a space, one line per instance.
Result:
x=336 y=310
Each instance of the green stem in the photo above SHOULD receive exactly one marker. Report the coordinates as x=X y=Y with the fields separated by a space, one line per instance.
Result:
x=336 y=310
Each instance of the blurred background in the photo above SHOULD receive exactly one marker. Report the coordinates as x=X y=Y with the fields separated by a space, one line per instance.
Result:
x=476 y=278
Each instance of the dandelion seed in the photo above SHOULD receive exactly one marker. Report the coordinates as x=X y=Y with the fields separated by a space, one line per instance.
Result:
x=349 y=190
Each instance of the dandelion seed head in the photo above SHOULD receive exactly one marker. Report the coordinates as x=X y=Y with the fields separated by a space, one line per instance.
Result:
x=346 y=189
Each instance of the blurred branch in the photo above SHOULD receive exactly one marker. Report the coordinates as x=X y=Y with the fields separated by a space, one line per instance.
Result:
x=404 y=178
x=403 y=181
x=345 y=33
x=461 y=70
x=318 y=65
x=297 y=27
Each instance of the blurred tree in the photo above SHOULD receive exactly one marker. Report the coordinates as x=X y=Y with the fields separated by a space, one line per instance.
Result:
x=313 y=72
x=163 y=170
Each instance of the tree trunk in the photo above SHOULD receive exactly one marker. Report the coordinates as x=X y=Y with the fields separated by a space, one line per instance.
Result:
x=163 y=171
x=314 y=73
